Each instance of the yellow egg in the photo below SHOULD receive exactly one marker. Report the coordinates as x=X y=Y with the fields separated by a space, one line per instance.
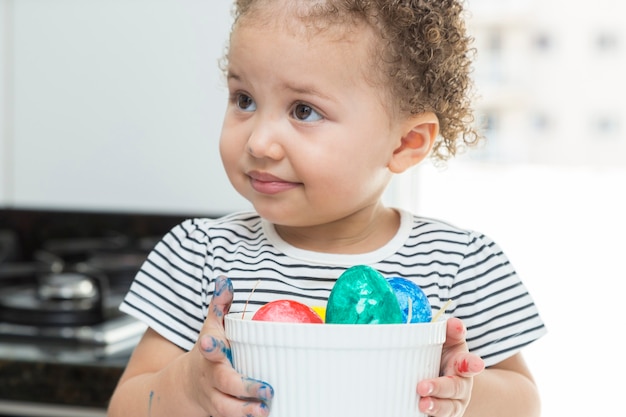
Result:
x=321 y=311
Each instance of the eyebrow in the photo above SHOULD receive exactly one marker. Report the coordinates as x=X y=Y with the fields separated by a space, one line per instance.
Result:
x=303 y=89
x=232 y=76
x=307 y=90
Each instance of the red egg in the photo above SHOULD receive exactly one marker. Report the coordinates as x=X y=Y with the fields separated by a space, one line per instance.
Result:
x=288 y=311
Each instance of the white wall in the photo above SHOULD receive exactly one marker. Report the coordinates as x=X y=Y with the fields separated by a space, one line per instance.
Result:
x=563 y=229
x=4 y=141
x=118 y=105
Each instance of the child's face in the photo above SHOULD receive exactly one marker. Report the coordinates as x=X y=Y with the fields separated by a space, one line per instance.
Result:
x=306 y=138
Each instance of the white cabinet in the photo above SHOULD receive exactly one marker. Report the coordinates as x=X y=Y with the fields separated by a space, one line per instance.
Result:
x=118 y=105
x=5 y=165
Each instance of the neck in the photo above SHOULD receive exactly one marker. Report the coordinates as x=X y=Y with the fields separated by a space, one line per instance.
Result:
x=361 y=232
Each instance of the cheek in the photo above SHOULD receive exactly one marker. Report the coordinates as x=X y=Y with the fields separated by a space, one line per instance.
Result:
x=222 y=145
x=357 y=173
x=229 y=147
x=336 y=176
x=230 y=160
x=225 y=154
x=359 y=161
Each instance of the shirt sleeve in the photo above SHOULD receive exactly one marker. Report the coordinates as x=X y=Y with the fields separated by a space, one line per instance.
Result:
x=170 y=291
x=499 y=313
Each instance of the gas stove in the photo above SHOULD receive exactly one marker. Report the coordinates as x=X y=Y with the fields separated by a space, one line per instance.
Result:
x=63 y=275
x=63 y=341
x=69 y=292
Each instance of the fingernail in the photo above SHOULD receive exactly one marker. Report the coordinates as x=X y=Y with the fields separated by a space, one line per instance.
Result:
x=222 y=283
x=266 y=393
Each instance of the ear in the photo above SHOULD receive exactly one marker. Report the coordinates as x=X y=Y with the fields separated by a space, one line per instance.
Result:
x=418 y=137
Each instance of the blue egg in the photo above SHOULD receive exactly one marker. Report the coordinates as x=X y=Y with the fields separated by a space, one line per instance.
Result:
x=421 y=312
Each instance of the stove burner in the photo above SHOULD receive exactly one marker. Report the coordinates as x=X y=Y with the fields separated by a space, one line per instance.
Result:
x=22 y=305
x=67 y=286
x=65 y=295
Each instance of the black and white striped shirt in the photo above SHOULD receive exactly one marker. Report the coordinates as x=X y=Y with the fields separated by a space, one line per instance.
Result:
x=172 y=290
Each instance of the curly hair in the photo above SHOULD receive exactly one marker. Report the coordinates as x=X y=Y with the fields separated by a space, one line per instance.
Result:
x=424 y=56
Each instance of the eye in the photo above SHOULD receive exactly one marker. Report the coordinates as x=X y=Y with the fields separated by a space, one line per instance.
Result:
x=245 y=102
x=306 y=113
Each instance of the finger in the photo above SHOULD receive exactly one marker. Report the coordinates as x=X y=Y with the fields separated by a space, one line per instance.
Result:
x=441 y=396
x=212 y=340
x=455 y=332
x=238 y=391
x=449 y=388
x=219 y=304
x=215 y=349
x=257 y=390
x=456 y=383
x=233 y=406
x=464 y=364
x=247 y=391
x=435 y=407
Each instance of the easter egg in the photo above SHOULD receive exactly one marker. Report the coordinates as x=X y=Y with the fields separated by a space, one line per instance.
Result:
x=418 y=308
x=287 y=311
x=321 y=311
x=361 y=295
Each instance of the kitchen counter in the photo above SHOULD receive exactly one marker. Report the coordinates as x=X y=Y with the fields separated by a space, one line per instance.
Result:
x=78 y=376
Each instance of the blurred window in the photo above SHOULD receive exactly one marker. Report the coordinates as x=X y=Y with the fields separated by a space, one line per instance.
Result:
x=542 y=42
x=606 y=42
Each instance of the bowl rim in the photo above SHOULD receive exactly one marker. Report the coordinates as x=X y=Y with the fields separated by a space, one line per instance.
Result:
x=332 y=336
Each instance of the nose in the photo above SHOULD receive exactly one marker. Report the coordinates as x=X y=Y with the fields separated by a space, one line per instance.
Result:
x=265 y=141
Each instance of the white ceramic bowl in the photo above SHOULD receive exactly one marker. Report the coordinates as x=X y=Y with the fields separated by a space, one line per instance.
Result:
x=336 y=370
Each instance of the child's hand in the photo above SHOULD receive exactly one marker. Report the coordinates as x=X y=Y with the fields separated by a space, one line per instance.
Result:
x=218 y=388
x=449 y=395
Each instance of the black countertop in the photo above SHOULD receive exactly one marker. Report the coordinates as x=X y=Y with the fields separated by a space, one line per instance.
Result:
x=39 y=371
x=60 y=375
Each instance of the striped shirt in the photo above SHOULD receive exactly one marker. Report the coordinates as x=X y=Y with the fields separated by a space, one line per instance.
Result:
x=172 y=290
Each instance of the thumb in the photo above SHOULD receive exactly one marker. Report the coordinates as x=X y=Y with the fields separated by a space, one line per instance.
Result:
x=465 y=364
x=220 y=304
x=456 y=357
x=213 y=343
x=455 y=332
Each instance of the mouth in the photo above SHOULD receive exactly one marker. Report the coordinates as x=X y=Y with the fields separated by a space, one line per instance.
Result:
x=266 y=183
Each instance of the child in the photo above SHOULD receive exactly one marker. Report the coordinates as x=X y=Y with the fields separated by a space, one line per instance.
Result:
x=329 y=99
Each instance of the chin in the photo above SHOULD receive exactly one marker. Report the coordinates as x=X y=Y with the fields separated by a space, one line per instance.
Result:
x=271 y=214
x=281 y=217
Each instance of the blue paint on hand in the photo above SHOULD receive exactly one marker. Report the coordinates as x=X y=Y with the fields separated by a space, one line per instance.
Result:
x=266 y=393
x=150 y=403
x=259 y=390
x=219 y=344
x=222 y=284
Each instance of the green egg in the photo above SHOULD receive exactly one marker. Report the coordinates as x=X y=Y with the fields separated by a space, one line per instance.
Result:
x=361 y=295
